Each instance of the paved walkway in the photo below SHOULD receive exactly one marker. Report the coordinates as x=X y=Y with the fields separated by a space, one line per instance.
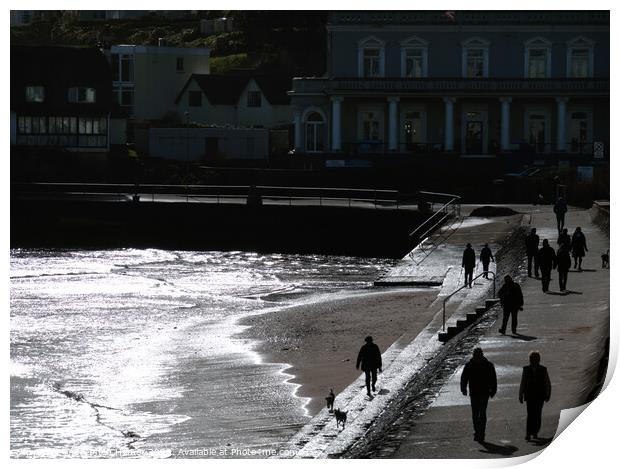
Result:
x=568 y=330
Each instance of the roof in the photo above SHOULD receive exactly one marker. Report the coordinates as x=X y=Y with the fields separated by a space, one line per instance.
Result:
x=226 y=89
x=58 y=68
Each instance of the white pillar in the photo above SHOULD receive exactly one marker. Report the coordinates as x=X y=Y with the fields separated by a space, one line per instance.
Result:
x=561 y=135
x=449 y=131
x=297 y=130
x=393 y=123
x=336 y=123
x=505 y=135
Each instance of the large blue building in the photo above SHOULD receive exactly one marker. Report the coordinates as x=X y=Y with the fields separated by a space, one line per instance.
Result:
x=477 y=83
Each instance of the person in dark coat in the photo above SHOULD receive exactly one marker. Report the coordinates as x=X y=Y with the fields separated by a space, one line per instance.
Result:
x=560 y=210
x=563 y=262
x=369 y=358
x=511 y=299
x=547 y=262
x=469 y=263
x=479 y=374
x=535 y=390
x=564 y=237
x=531 y=249
x=486 y=256
x=579 y=246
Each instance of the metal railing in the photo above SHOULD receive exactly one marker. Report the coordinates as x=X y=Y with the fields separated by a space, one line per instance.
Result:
x=450 y=208
x=456 y=291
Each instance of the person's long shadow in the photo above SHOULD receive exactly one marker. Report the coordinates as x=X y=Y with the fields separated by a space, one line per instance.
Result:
x=564 y=293
x=541 y=441
x=526 y=338
x=582 y=270
x=504 y=450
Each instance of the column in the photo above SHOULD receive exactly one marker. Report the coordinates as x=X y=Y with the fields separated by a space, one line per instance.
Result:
x=336 y=123
x=297 y=120
x=505 y=135
x=449 y=131
x=561 y=135
x=393 y=123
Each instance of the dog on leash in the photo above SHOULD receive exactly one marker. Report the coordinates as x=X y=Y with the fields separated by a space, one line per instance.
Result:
x=341 y=417
x=331 y=397
x=605 y=260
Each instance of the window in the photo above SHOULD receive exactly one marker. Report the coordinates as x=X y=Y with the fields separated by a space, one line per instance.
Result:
x=81 y=95
x=371 y=58
x=92 y=131
x=371 y=126
x=35 y=94
x=475 y=58
x=180 y=67
x=580 y=58
x=254 y=99
x=315 y=132
x=413 y=59
x=122 y=67
x=538 y=58
x=195 y=98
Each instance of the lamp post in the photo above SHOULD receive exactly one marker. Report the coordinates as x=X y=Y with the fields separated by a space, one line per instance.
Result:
x=186 y=150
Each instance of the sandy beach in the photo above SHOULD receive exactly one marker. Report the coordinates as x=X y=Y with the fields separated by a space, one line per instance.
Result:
x=321 y=340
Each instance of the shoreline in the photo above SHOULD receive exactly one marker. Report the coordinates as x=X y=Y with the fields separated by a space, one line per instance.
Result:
x=319 y=341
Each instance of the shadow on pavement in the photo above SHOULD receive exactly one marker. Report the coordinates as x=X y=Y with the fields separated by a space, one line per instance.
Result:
x=504 y=450
x=383 y=392
x=541 y=441
x=526 y=338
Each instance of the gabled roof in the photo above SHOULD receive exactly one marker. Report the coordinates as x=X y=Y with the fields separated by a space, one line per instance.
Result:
x=226 y=89
x=58 y=68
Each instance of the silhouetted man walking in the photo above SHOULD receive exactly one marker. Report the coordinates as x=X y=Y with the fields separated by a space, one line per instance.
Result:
x=479 y=373
x=547 y=262
x=560 y=210
x=531 y=248
x=511 y=299
x=563 y=262
x=469 y=262
x=370 y=359
x=535 y=390
x=564 y=237
x=579 y=246
x=486 y=256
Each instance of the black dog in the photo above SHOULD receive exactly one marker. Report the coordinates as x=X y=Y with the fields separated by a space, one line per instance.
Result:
x=605 y=260
x=341 y=417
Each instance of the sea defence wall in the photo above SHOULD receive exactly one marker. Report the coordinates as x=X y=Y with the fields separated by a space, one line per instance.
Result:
x=366 y=231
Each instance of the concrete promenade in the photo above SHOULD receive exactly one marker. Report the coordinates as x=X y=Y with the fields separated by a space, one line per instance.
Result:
x=569 y=330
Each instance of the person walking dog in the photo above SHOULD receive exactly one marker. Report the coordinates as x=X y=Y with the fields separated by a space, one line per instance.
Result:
x=369 y=357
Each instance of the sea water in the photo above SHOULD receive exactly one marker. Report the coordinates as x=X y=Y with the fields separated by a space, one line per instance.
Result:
x=134 y=353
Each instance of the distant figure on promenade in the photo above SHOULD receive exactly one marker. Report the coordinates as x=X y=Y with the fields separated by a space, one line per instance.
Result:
x=535 y=390
x=564 y=237
x=563 y=263
x=511 y=299
x=469 y=263
x=486 y=256
x=531 y=248
x=605 y=260
x=560 y=210
x=579 y=246
x=547 y=262
x=370 y=359
x=479 y=373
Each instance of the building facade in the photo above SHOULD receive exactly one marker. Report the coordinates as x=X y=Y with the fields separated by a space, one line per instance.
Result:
x=470 y=83
x=146 y=79
x=61 y=98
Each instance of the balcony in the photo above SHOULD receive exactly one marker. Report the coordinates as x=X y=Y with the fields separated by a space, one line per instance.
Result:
x=444 y=86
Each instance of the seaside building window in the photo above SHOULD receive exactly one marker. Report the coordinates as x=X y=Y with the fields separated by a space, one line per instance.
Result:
x=122 y=67
x=82 y=95
x=35 y=94
x=371 y=58
x=371 y=126
x=315 y=132
x=92 y=131
x=538 y=58
x=180 y=64
x=580 y=58
x=254 y=99
x=195 y=98
x=414 y=58
x=475 y=58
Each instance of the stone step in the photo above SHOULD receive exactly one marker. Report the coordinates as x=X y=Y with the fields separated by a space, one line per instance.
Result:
x=490 y=302
x=480 y=310
x=471 y=317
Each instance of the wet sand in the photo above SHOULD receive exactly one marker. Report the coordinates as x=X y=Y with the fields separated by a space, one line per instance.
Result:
x=321 y=340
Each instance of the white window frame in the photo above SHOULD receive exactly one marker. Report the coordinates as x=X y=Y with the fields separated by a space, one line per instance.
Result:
x=30 y=92
x=475 y=43
x=484 y=116
x=304 y=122
x=413 y=43
x=73 y=95
x=537 y=42
x=370 y=42
x=580 y=42
x=569 y=117
x=546 y=113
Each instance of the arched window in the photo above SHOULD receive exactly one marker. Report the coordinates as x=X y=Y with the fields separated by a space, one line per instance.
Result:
x=475 y=59
x=414 y=58
x=315 y=132
x=579 y=57
x=538 y=58
x=371 y=57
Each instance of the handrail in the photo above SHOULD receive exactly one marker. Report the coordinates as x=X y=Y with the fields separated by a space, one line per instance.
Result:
x=440 y=213
x=464 y=286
